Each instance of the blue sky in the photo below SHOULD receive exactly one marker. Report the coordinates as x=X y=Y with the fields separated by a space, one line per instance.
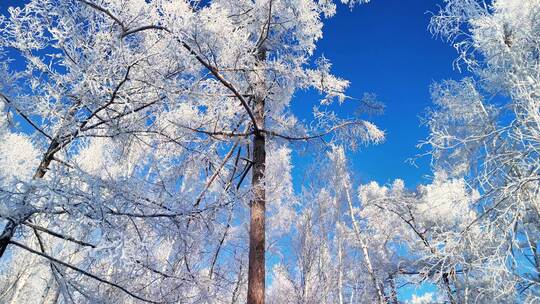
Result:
x=384 y=47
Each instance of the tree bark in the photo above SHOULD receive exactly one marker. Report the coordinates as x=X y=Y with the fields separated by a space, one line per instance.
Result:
x=6 y=236
x=257 y=223
x=256 y=272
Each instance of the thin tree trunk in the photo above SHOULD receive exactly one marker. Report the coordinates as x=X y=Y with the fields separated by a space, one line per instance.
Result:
x=256 y=272
x=356 y=226
x=340 y=271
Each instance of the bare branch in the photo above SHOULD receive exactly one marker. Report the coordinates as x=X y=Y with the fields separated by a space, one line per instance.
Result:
x=106 y=12
x=316 y=136
x=225 y=160
x=34 y=125
x=111 y=100
x=144 y=28
x=215 y=133
x=81 y=271
x=58 y=235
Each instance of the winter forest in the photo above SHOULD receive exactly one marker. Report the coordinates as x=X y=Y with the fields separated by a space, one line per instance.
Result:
x=192 y=151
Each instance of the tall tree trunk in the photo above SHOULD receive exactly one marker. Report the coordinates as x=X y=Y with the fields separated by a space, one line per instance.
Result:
x=257 y=224
x=256 y=272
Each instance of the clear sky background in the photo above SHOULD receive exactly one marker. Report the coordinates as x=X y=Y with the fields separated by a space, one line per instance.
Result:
x=384 y=47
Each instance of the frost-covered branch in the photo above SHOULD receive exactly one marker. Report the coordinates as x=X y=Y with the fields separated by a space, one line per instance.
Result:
x=83 y=272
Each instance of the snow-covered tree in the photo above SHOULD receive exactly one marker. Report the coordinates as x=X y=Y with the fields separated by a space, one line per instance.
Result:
x=129 y=129
x=485 y=129
x=334 y=258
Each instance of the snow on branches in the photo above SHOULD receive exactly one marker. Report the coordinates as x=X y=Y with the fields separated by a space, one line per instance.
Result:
x=134 y=129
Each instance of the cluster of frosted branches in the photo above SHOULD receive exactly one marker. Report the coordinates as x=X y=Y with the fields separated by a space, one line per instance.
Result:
x=485 y=129
x=364 y=245
x=126 y=148
x=129 y=132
